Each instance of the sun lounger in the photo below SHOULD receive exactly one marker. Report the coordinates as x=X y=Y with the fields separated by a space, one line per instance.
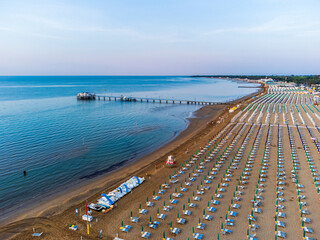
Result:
x=233 y=214
x=176 y=230
x=37 y=234
x=187 y=212
x=208 y=217
x=156 y=198
x=126 y=228
x=226 y=231
x=257 y=210
x=177 y=195
x=173 y=201
x=219 y=196
x=308 y=229
x=134 y=219
x=197 y=198
x=162 y=216
x=192 y=205
x=212 y=209
x=215 y=202
x=281 y=224
x=181 y=221
x=230 y=224
x=146 y=235
x=143 y=211
x=281 y=234
x=150 y=204
x=235 y=206
x=198 y=236
x=281 y=214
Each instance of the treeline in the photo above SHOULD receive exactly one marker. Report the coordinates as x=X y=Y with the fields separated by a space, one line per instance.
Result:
x=307 y=80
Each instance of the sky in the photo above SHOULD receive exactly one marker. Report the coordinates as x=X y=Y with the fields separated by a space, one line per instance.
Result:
x=167 y=37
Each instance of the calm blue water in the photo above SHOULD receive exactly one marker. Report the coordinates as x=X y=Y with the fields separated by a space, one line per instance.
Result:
x=61 y=142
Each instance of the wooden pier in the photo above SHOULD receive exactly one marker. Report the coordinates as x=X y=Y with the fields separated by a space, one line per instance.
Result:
x=155 y=100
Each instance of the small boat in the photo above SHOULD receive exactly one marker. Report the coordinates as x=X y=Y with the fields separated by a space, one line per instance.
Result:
x=171 y=162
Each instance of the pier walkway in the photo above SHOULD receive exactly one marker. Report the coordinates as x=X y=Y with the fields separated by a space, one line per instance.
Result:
x=155 y=100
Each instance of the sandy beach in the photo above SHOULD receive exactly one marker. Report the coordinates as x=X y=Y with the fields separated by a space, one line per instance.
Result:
x=54 y=214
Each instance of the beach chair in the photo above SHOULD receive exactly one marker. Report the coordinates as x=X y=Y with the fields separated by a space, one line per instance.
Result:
x=143 y=211
x=146 y=235
x=153 y=226
x=208 y=217
x=177 y=195
x=167 y=208
x=150 y=204
x=187 y=212
x=37 y=234
x=219 y=196
x=237 y=199
x=175 y=231
x=212 y=209
x=156 y=198
x=226 y=231
x=198 y=236
x=183 y=189
x=254 y=227
x=126 y=228
x=308 y=229
x=233 y=214
x=222 y=190
x=215 y=202
x=303 y=204
x=257 y=210
x=174 y=181
x=162 y=216
x=188 y=184
x=281 y=234
x=252 y=218
x=181 y=221
x=200 y=192
x=281 y=224
x=192 y=205
x=235 y=206
x=197 y=198
x=134 y=219
x=281 y=215
x=162 y=191
x=201 y=226
x=173 y=201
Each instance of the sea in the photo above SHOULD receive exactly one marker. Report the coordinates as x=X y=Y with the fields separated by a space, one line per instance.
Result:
x=61 y=142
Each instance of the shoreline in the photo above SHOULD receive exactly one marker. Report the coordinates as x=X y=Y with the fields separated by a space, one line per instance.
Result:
x=205 y=117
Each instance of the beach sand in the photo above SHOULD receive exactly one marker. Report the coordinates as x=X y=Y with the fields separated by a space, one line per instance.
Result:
x=52 y=216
